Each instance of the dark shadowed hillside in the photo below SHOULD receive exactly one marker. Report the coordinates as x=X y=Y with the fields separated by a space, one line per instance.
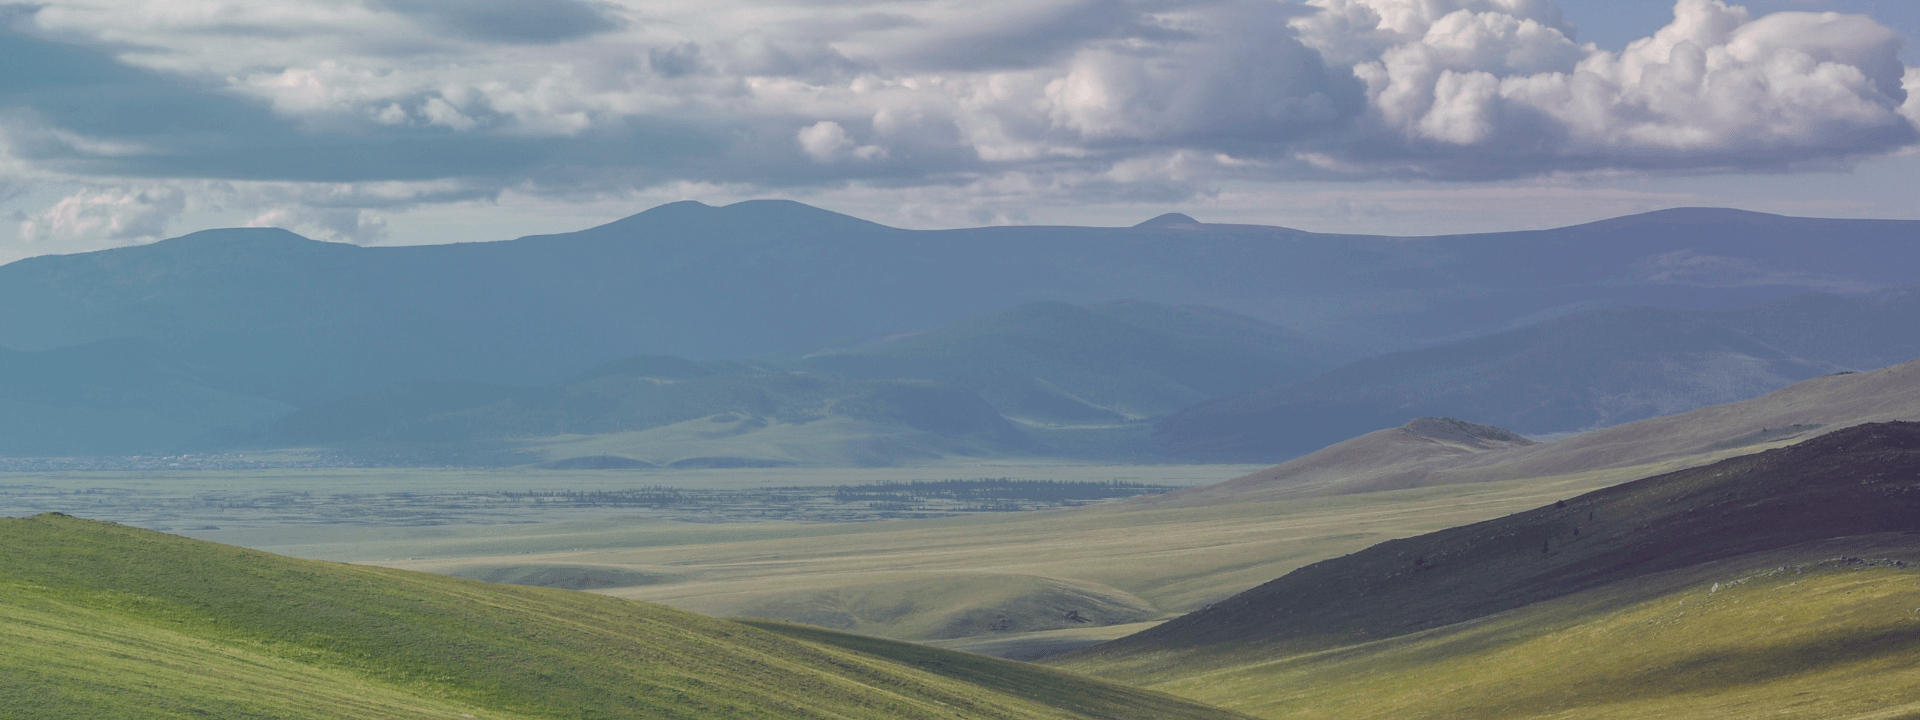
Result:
x=1858 y=481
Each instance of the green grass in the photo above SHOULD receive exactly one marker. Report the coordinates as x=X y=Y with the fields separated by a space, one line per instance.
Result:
x=104 y=621
x=1066 y=691
x=1785 y=635
x=856 y=577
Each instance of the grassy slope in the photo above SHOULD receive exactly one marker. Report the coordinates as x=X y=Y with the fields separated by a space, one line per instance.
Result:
x=1174 y=559
x=1067 y=691
x=100 y=620
x=1799 y=634
x=1803 y=410
x=1856 y=481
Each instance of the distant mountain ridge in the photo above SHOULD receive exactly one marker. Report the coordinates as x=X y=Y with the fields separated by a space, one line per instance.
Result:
x=302 y=322
x=1591 y=369
x=1218 y=347
x=1114 y=361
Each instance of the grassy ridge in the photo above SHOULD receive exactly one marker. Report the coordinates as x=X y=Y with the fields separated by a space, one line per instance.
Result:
x=100 y=620
x=1860 y=480
x=1809 y=639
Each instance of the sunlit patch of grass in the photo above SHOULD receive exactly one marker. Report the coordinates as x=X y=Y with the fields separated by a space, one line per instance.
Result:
x=105 y=621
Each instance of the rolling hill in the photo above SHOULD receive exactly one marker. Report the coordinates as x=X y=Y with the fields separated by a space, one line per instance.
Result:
x=100 y=620
x=1403 y=458
x=1532 y=613
x=1859 y=481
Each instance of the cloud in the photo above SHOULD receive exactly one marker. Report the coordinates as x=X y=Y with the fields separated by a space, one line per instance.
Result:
x=333 y=224
x=1089 y=99
x=1473 y=94
x=827 y=142
x=120 y=216
x=509 y=21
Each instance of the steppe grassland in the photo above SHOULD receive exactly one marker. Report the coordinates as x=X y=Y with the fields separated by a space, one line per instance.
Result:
x=1173 y=560
x=1816 y=641
x=102 y=621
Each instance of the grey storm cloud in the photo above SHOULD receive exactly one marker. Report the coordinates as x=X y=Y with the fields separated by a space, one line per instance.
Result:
x=510 y=21
x=76 y=109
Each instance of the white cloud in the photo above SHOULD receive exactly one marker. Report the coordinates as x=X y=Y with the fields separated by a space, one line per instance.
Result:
x=119 y=216
x=826 y=141
x=333 y=224
x=1495 y=93
x=1089 y=99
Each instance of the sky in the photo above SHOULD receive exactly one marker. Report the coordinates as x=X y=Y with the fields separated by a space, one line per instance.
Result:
x=429 y=121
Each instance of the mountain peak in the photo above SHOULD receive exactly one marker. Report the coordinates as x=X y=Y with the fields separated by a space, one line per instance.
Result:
x=1170 y=219
x=748 y=215
x=234 y=236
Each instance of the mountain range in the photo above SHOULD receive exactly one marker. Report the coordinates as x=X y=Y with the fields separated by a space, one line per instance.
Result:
x=1222 y=342
x=1588 y=370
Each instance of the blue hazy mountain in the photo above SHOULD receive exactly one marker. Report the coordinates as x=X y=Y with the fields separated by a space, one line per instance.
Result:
x=298 y=321
x=1051 y=362
x=1582 y=371
x=727 y=405
x=115 y=397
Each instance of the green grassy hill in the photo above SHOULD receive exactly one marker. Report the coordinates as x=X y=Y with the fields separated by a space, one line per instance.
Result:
x=104 y=621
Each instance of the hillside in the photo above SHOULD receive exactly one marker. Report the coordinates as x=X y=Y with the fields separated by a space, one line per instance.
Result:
x=304 y=322
x=122 y=397
x=660 y=411
x=1817 y=631
x=1404 y=457
x=1855 y=332
x=1588 y=370
x=102 y=620
x=1857 y=481
x=1051 y=362
x=1387 y=459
